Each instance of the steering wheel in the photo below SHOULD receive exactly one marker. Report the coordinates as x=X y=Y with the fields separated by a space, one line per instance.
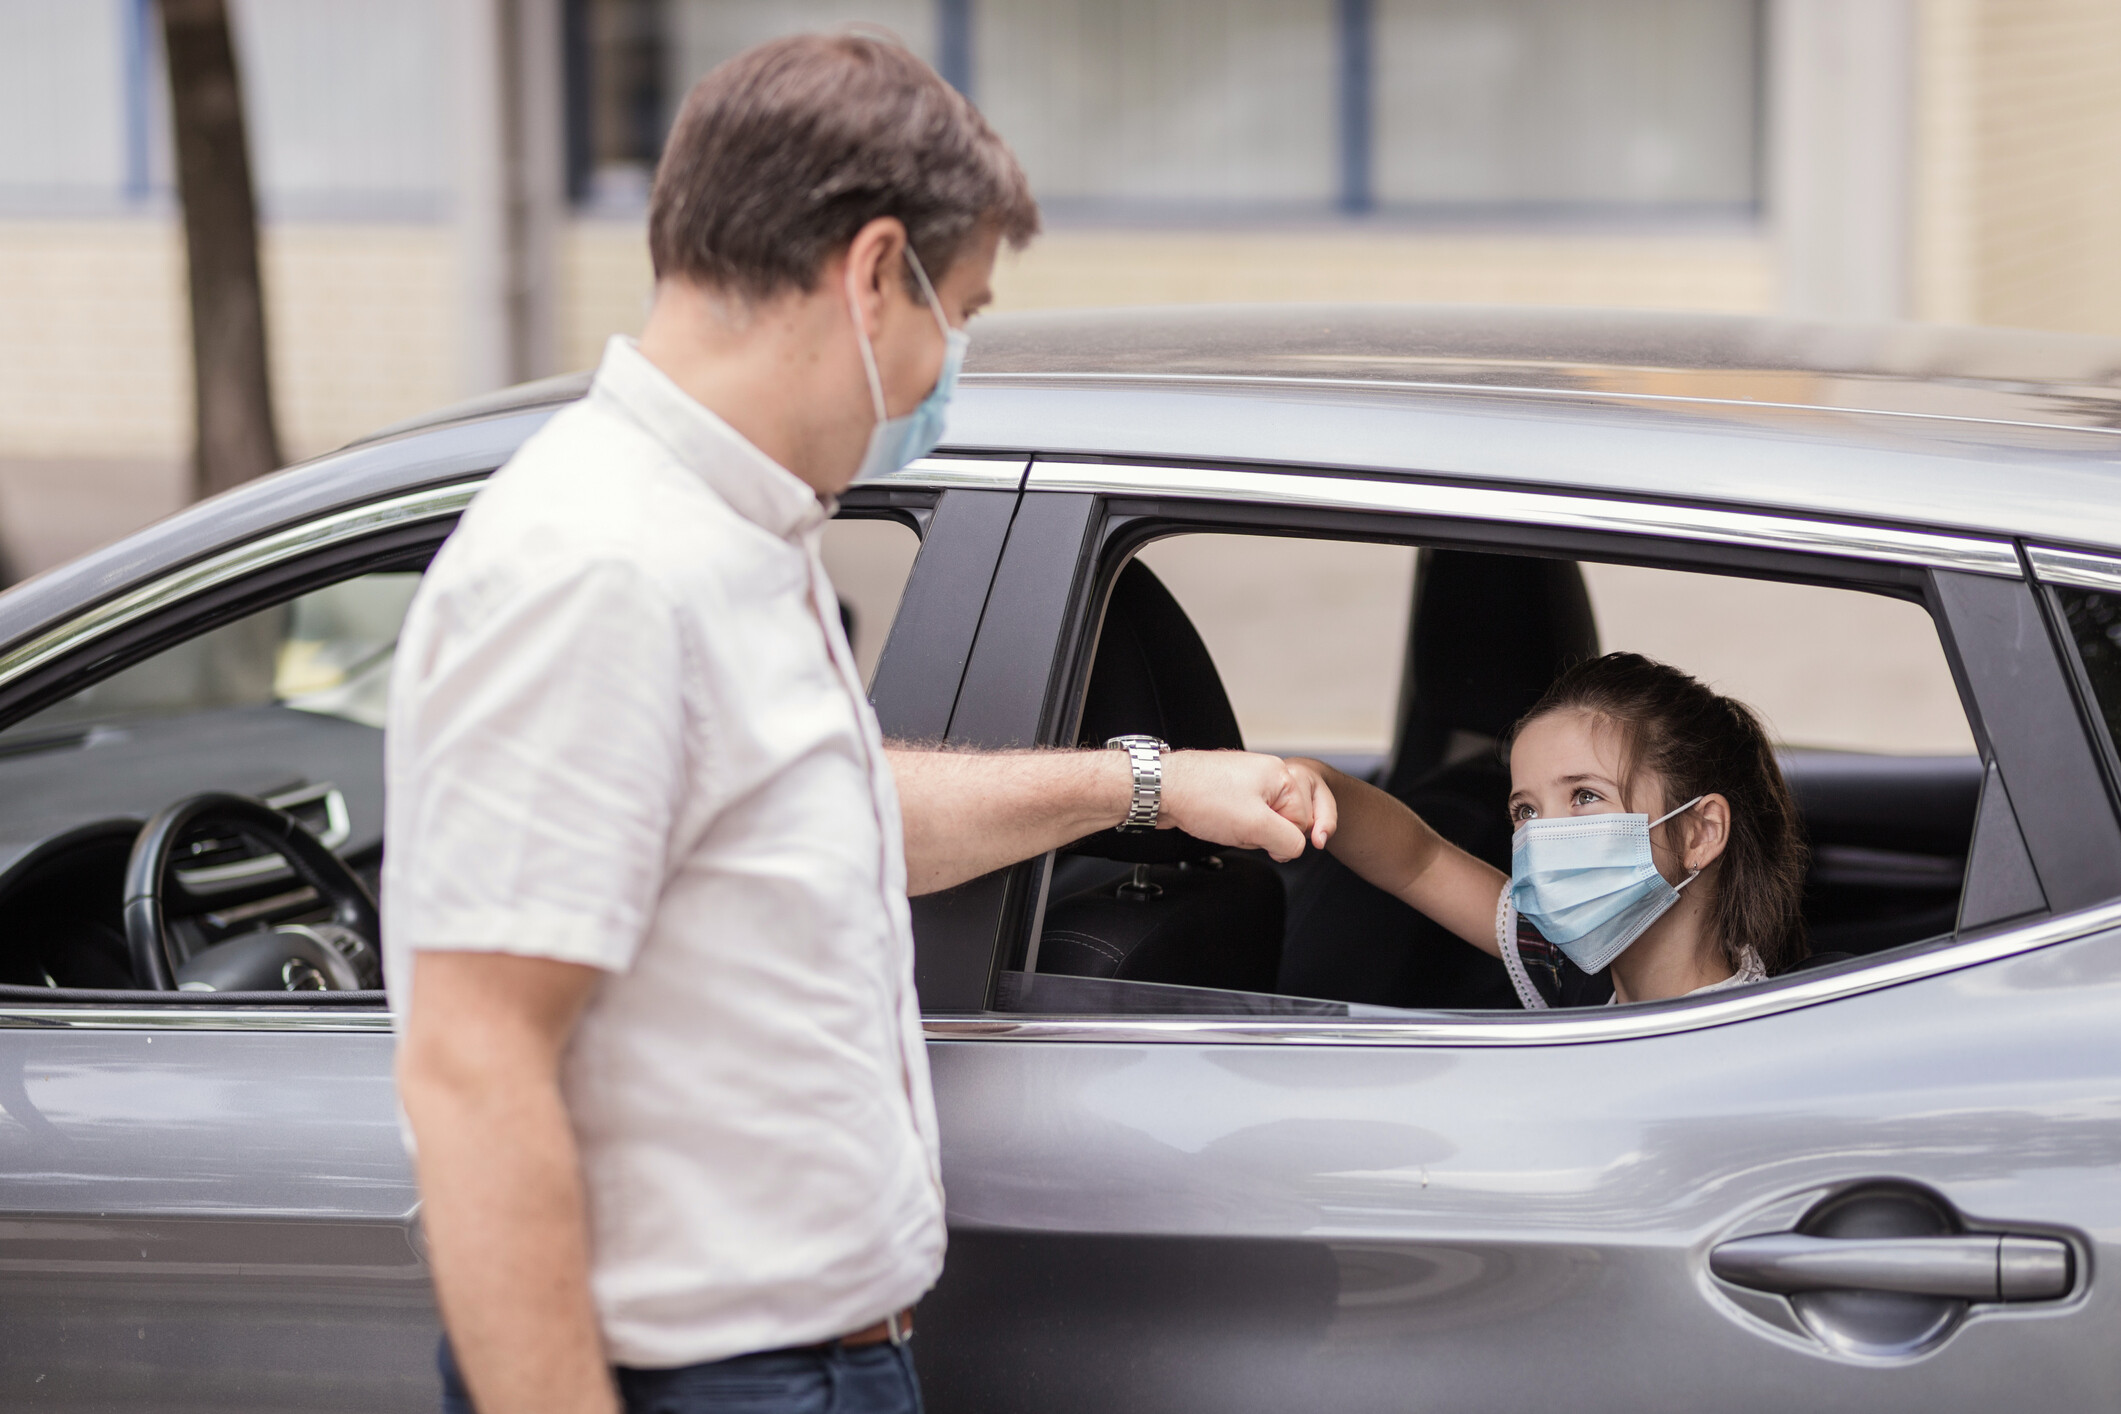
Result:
x=336 y=956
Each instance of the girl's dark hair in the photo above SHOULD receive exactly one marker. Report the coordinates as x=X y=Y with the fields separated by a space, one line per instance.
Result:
x=1698 y=742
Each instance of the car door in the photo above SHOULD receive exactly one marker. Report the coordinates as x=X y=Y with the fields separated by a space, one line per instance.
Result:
x=1883 y=1184
x=205 y=1201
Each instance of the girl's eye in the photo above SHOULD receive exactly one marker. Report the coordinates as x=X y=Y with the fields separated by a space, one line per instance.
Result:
x=1522 y=813
x=1584 y=796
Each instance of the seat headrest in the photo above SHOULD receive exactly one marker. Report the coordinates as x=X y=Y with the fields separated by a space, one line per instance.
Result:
x=1153 y=675
x=1489 y=634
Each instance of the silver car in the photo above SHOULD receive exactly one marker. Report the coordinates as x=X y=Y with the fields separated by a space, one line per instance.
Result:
x=1217 y=1134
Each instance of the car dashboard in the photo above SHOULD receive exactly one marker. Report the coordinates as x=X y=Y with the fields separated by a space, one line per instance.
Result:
x=72 y=802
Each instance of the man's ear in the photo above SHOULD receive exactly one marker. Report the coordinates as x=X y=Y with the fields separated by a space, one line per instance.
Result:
x=876 y=250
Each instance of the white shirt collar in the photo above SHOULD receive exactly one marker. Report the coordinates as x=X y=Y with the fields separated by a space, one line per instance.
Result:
x=755 y=485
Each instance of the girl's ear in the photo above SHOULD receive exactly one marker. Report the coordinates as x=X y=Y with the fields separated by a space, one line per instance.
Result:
x=1708 y=832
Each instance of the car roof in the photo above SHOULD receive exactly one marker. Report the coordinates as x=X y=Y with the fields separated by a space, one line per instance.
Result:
x=2013 y=375
x=2010 y=376
x=1997 y=432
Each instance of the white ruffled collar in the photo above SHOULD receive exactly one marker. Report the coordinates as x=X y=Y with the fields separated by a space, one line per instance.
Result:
x=1750 y=970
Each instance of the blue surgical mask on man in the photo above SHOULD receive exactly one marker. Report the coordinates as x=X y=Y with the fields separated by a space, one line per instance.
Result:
x=1588 y=883
x=899 y=441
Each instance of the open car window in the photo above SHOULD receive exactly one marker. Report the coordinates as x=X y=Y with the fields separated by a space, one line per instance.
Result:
x=286 y=705
x=1406 y=667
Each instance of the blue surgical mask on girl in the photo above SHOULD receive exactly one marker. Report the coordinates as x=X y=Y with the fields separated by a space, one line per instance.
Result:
x=1588 y=883
x=899 y=441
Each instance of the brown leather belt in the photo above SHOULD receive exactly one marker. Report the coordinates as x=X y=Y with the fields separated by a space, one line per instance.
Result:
x=897 y=1329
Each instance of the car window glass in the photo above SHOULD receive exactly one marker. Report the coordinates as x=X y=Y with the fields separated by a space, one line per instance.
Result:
x=869 y=559
x=1311 y=640
x=2094 y=620
x=336 y=655
x=328 y=651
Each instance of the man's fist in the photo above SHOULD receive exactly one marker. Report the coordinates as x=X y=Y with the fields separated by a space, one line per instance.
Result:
x=1247 y=801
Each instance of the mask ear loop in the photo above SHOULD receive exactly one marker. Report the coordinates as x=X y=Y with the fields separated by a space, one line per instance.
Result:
x=1668 y=815
x=1680 y=811
x=861 y=338
x=861 y=334
x=1512 y=961
x=935 y=305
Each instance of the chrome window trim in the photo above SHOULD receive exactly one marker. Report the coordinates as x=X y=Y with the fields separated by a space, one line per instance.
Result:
x=2075 y=569
x=1753 y=529
x=262 y=553
x=1588 y=1025
x=944 y=473
x=176 y=1016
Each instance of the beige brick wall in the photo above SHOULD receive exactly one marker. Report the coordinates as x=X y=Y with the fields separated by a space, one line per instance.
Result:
x=95 y=342
x=362 y=317
x=1070 y=267
x=607 y=283
x=2018 y=180
x=2018 y=221
x=363 y=328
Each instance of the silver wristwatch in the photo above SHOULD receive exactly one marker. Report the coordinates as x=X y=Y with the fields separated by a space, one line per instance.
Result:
x=1146 y=755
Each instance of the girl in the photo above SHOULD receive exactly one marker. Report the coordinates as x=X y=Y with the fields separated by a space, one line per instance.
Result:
x=1656 y=844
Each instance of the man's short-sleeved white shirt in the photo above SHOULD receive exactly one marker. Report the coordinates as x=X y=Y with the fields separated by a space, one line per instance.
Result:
x=626 y=731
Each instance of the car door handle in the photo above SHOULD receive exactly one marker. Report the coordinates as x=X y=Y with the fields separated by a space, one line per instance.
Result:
x=1980 y=1267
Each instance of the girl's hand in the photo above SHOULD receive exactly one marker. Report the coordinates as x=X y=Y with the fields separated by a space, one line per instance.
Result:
x=1308 y=795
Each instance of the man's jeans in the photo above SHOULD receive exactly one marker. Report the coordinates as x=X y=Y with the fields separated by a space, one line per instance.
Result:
x=868 y=1379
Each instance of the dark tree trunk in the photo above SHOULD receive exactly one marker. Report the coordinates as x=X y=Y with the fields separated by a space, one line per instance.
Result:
x=231 y=387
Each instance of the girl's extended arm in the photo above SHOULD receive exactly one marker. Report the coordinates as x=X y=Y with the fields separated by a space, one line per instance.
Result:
x=1393 y=848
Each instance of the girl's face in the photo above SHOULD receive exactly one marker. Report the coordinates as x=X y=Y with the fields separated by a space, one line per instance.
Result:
x=1570 y=763
x=1565 y=763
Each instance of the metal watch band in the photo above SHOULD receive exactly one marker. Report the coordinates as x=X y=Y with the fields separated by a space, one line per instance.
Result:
x=1146 y=755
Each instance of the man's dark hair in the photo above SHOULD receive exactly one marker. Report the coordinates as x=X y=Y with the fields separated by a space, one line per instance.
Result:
x=779 y=156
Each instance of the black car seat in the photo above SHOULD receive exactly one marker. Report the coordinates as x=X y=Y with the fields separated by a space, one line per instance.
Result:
x=1488 y=634
x=1160 y=906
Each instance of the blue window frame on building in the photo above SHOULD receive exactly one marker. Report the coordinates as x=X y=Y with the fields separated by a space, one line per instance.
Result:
x=1235 y=110
x=1216 y=111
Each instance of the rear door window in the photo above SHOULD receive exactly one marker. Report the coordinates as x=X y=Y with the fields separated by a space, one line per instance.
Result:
x=1406 y=667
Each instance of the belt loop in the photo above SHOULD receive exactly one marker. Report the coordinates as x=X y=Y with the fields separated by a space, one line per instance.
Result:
x=895 y=1328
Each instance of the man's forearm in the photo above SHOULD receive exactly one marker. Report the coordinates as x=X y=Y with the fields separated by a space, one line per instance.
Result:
x=501 y=1197
x=968 y=813
x=502 y=1207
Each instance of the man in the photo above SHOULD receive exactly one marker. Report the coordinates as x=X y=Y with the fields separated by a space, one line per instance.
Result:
x=645 y=902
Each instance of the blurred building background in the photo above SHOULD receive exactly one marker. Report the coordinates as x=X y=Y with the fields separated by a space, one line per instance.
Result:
x=454 y=189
